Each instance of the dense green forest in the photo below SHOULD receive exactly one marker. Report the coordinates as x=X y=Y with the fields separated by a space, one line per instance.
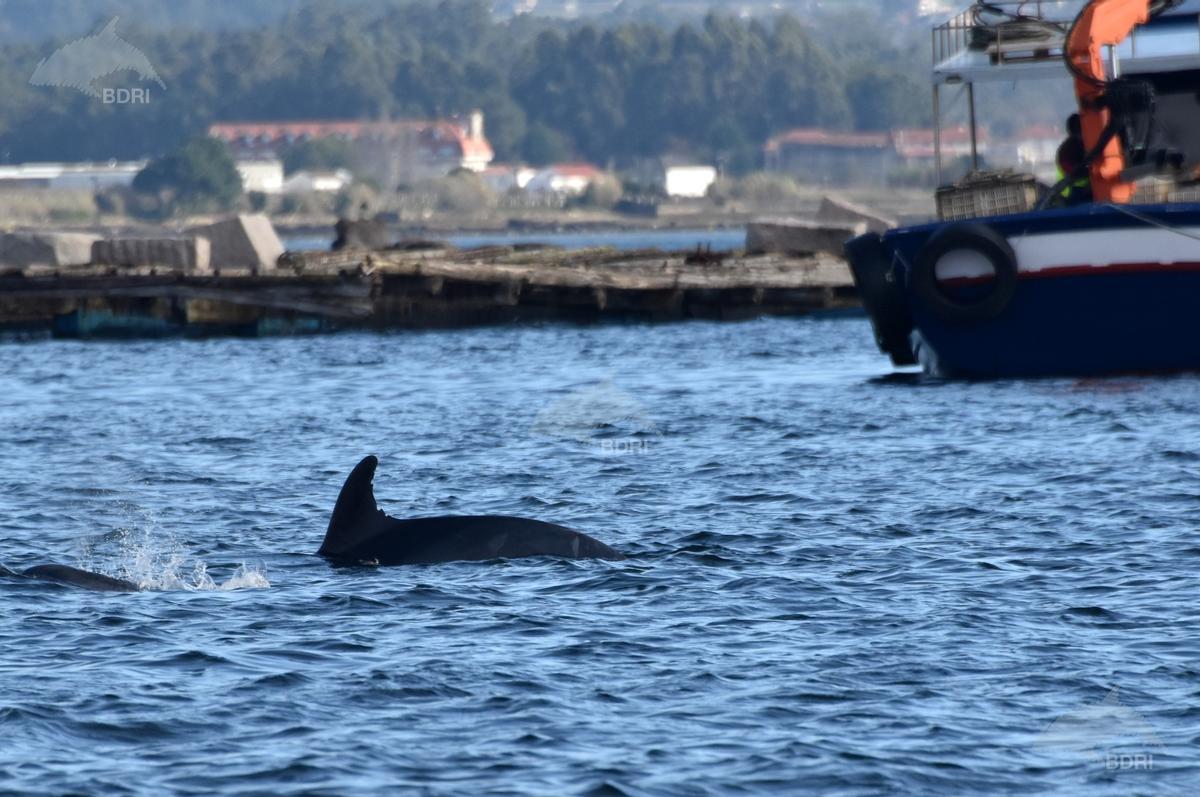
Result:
x=715 y=87
x=37 y=20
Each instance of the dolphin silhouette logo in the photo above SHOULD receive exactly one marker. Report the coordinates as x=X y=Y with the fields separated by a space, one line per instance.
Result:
x=1096 y=727
x=579 y=415
x=83 y=62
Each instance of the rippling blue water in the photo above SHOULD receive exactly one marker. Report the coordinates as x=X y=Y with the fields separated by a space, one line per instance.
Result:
x=838 y=583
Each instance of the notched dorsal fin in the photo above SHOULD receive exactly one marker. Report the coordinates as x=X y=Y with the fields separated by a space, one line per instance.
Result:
x=355 y=511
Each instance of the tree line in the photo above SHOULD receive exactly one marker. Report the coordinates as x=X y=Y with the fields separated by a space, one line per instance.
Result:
x=714 y=89
x=35 y=20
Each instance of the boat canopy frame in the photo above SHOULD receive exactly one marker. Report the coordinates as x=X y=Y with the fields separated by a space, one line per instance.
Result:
x=1010 y=56
x=1011 y=53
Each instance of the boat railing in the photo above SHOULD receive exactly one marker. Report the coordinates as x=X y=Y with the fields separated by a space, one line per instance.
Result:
x=1009 y=31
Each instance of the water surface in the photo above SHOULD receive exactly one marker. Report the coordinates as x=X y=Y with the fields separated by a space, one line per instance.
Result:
x=839 y=582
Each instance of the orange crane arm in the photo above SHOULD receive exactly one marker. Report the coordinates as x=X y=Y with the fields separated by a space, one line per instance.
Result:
x=1103 y=23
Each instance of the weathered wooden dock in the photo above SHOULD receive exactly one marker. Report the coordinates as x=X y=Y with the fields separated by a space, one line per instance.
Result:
x=323 y=291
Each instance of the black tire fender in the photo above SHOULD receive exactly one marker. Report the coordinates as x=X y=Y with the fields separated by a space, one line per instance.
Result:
x=987 y=242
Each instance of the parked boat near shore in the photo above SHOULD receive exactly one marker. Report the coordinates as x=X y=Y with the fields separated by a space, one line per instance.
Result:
x=1006 y=285
x=1100 y=289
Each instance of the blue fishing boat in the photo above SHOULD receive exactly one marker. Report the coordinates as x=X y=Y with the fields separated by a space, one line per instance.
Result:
x=1006 y=284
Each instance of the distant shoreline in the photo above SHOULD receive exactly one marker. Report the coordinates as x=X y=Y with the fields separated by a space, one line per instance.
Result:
x=720 y=239
x=289 y=227
x=42 y=212
x=549 y=228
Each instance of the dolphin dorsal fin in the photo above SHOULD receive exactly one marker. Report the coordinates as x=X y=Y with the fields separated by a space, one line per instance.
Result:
x=110 y=29
x=355 y=511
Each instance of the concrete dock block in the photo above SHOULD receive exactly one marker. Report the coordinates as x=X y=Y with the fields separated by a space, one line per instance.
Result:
x=243 y=241
x=181 y=255
x=799 y=236
x=837 y=210
x=53 y=249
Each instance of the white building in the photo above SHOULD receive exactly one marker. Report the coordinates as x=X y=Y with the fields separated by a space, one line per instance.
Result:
x=688 y=181
x=70 y=176
x=262 y=176
x=563 y=179
x=673 y=177
x=503 y=177
x=313 y=182
x=1032 y=149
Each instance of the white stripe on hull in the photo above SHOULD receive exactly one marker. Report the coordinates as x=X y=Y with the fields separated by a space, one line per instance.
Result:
x=1101 y=248
x=1075 y=249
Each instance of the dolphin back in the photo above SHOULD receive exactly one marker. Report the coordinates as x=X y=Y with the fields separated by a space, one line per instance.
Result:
x=359 y=531
x=61 y=574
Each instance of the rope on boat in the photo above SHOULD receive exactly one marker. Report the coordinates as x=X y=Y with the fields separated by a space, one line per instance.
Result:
x=1133 y=214
x=1009 y=26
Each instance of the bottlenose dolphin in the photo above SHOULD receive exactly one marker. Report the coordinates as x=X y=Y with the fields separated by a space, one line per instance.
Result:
x=83 y=62
x=62 y=574
x=361 y=533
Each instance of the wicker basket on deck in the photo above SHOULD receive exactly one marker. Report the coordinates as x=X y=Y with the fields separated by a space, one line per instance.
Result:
x=987 y=194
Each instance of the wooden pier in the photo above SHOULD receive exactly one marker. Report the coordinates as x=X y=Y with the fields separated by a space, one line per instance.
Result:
x=435 y=287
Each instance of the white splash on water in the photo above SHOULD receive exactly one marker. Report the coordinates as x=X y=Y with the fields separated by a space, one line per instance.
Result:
x=244 y=577
x=176 y=572
x=156 y=561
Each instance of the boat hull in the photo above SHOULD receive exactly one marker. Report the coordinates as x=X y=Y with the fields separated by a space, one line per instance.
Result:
x=1095 y=291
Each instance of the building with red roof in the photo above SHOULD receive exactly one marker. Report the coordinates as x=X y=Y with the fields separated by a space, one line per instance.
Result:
x=862 y=158
x=834 y=157
x=563 y=179
x=399 y=152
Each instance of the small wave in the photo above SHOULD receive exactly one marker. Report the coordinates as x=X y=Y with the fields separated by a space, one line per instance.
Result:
x=220 y=441
x=362 y=362
x=1094 y=614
